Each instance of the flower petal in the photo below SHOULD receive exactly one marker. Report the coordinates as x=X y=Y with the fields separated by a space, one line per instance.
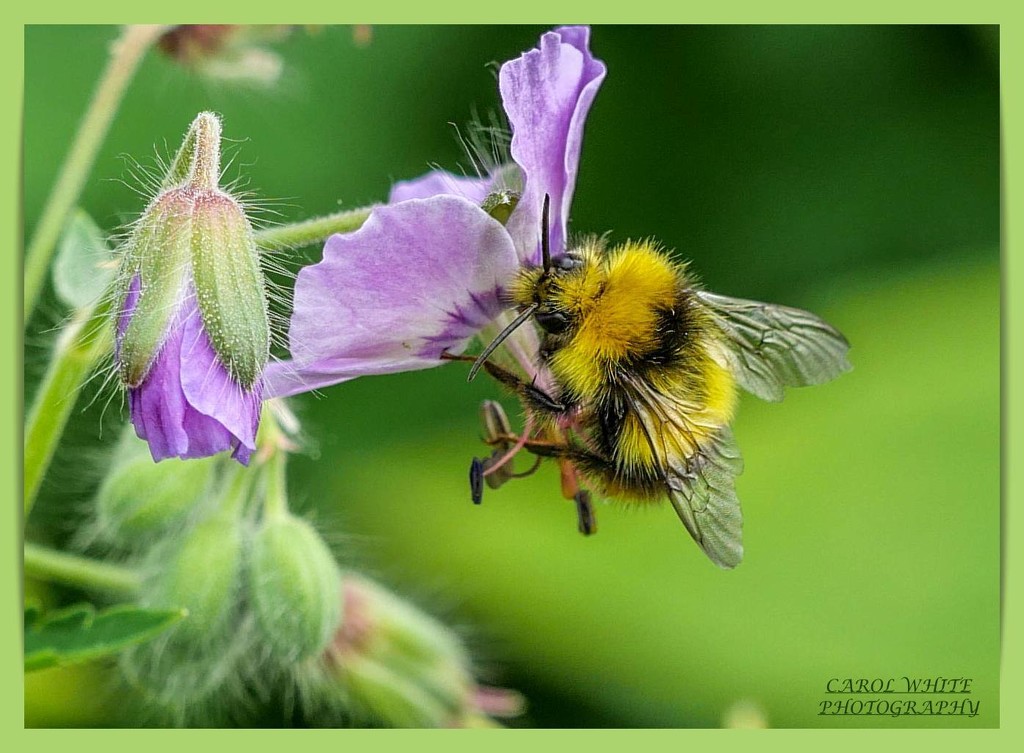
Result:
x=547 y=93
x=441 y=182
x=188 y=406
x=419 y=277
x=212 y=394
x=157 y=406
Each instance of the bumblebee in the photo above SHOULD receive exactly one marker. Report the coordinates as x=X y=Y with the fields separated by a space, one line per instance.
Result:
x=645 y=367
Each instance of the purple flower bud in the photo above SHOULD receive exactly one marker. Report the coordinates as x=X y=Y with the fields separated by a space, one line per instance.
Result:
x=192 y=330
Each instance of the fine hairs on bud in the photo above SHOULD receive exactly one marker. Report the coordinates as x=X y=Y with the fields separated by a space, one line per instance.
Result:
x=201 y=160
x=193 y=227
x=293 y=584
x=140 y=502
x=192 y=670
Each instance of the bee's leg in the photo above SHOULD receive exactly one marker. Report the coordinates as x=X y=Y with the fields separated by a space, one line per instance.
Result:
x=446 y=356
x=547 y=449
x=529 y=471
x=586 y=520
x=539 y=447
x=585 y=513
x=568 y=456
x=476 y=481
x=531 y=394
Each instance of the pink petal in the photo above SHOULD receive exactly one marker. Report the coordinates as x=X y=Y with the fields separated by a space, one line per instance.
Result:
x=441 y=182
x=419 y=277
x=547 y=93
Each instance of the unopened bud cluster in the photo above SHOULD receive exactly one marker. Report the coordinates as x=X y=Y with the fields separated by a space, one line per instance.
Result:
x=262 y=600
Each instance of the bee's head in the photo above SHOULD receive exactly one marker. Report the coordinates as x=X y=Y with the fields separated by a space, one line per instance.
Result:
x=539 y=292
x=544 y=289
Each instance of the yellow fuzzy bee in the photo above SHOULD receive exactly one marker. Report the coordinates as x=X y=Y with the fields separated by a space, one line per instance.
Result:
x=646 y=367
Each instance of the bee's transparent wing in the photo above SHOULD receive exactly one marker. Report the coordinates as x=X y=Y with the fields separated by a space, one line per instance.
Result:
x=769 y=347
x=703 y=493
x=699 y=470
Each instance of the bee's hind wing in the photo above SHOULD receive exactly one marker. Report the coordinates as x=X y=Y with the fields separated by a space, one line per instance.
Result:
x=769 y=347
x=703 y=493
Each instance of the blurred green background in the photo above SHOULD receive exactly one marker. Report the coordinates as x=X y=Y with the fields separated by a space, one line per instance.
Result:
x=850 y=170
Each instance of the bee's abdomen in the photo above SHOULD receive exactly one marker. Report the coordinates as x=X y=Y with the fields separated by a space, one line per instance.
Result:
x=623 y=483
x=619 y=435
x=609 y=416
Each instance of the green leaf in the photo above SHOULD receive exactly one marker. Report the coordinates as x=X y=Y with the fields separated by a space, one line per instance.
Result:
x=84 y=265
x=79 y=634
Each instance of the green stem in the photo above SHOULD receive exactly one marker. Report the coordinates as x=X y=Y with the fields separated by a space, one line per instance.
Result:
x=125 y=57
x=273 y=454
x=312 y=231
x=80 y=346
x=81 y=572
x=238 y=483
x=275 y=504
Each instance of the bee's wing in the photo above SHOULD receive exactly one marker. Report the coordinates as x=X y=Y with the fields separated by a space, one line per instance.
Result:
x=769 y=347
x=699 y=475
x=703 y=493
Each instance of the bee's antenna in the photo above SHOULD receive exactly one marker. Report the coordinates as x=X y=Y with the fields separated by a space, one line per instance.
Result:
x=545 y=240
x=500 y=339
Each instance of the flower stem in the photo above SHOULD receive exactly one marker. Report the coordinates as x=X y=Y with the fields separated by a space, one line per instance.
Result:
x=273 y=457
x=126 y=54
x=312 y=231
x=275 y=504
x=81 y=572
x=82 y=343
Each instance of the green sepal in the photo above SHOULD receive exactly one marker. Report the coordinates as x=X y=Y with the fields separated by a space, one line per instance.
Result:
x=158 y=252
x=83 y=267
x=79 y=633
x=230 y=287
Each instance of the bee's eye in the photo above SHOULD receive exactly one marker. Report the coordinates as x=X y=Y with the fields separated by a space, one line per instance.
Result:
x=554 y=322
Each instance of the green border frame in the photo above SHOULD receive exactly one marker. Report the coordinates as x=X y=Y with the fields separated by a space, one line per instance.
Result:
x=645 y=11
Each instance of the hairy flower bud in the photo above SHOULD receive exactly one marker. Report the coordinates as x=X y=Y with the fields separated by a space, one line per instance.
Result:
x=140 y=500
x=404 y=668
x=203 y=576
x=193 y=672
x=192 y=328
x=293 y=584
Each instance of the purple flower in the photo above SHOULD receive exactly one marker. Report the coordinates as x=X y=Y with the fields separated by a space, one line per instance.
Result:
x=192 y=330
x=188 y=405
x=426 y=272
